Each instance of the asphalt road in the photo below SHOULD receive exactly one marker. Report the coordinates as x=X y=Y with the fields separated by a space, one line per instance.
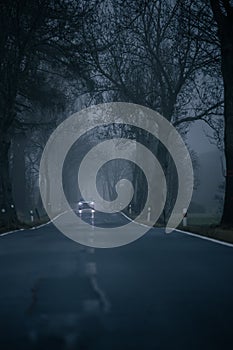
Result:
x=160 y=292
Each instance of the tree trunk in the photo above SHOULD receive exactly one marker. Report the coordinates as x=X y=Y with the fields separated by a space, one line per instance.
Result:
x=227 y=72
x=18 y=177
x=8 y=216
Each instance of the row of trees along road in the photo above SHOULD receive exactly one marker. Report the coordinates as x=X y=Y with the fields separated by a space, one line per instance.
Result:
x=37 y=38
x=162 y=54
x=156 y=61
x=223 y=15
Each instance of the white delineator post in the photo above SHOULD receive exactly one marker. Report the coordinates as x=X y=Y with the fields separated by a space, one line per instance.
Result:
x=31 y=215
x=130 y=209
x=149 y=213
x=185 y=216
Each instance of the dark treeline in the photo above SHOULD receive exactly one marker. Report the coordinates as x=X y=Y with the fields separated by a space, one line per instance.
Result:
x=58 y=56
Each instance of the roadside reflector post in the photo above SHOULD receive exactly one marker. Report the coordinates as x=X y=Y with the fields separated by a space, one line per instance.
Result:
x=130 y=209
x=31 y=215
x=149 y=213
x=185 y=217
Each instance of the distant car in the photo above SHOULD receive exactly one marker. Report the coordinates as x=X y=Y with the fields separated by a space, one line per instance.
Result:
x=86 y=206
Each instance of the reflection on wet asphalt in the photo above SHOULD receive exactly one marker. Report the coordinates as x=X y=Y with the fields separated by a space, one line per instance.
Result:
x=160 y=292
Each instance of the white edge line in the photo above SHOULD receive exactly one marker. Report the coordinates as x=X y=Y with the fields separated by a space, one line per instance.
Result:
x=9 y=232
x=186 y=233
x=137 y=223
x=206 y=238
x=32 y=228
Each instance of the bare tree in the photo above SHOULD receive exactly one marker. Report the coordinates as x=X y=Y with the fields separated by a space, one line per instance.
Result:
x=223 y=15
x=151 y=55
x=34 y=35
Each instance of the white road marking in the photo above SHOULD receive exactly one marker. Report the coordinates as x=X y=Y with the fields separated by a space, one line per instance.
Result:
x=106 y=304
x=10 y=232
x=206 y=238
x=187 y=233
x=91 y=269
x=32 y=228
x=90 y=250
x=49 y=222
x=90 y=240
x=91 y=305
x=137 y=223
